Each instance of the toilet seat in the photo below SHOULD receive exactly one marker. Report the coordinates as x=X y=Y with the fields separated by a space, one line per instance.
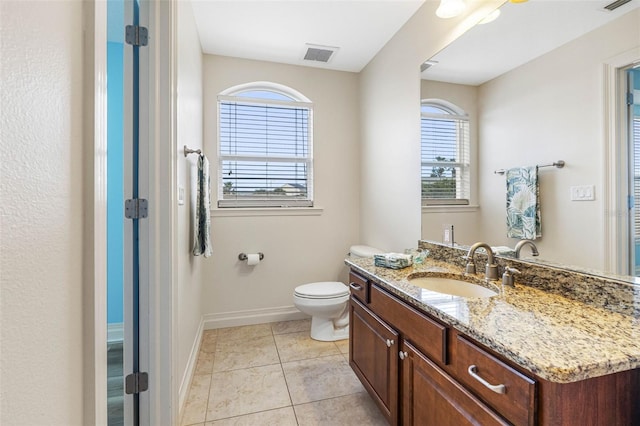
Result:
x=322 y=290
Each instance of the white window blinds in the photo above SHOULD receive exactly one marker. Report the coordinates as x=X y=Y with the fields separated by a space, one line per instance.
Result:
x=445 y=156
x=265 y=153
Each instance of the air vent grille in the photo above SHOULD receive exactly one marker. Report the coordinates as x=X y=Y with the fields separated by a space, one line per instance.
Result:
x=319 y=53
x=616 y=4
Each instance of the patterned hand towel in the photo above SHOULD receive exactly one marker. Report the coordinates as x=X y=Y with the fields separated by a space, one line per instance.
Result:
x=202 y=225
x=523 y=205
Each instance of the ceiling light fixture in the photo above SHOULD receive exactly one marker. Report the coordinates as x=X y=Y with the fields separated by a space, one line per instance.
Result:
x=518 y=1
x=450 y=8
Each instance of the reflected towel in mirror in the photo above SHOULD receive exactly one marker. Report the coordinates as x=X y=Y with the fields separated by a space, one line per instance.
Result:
x=523 y=203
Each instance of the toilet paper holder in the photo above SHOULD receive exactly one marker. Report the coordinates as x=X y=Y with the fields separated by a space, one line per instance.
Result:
x=243 y=256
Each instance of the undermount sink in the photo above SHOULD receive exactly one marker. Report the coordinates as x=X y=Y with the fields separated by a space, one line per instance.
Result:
x=451 y=286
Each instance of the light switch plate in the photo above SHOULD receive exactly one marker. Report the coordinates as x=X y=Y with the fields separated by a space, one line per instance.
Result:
x=583 y=193
x=447 y=234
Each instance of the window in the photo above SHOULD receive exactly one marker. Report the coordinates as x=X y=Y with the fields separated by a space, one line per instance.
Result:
x=265 y=149
x=445 y=170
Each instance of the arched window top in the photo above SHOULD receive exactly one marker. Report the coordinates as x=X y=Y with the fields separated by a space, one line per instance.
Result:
x=266 y=90
x=445 y=153
x=441 y=107
x=265 y=133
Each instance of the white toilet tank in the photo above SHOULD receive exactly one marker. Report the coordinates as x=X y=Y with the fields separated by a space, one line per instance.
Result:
x=364 y=251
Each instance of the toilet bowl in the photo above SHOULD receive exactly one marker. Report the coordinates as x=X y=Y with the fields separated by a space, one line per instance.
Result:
x=328 y=303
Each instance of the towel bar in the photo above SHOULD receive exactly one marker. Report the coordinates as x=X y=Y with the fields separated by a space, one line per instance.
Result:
x=559 y=164
x=188 y=151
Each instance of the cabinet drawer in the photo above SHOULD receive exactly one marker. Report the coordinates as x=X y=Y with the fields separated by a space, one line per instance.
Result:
x=426 y=334
x=359 y=287
x=433 y=398
x=508 y=391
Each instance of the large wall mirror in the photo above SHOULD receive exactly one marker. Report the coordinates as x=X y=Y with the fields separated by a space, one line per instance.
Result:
x=531 y=85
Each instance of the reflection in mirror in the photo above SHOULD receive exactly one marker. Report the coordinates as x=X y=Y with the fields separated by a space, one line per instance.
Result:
x=531 y=85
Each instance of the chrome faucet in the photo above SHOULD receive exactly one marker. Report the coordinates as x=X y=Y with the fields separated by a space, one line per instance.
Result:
x=522 y=243
x=491 y=270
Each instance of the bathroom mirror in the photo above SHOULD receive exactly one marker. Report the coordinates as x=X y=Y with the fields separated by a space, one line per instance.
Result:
x=531 y=83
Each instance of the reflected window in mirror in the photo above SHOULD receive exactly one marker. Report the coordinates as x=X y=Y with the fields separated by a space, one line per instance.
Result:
x=445 y=158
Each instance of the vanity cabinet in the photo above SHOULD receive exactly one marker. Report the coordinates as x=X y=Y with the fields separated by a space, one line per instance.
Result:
x=373 y=356
x=409 y=363
x=422 y=372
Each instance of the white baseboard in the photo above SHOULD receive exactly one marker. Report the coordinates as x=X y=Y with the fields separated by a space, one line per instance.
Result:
x=254 y=316
x=115 y=332
x=187 y=376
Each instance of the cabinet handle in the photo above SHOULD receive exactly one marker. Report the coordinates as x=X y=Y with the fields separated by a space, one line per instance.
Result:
x=390 y=342
x=403 y=355
x=356 y=287
x=495 y=388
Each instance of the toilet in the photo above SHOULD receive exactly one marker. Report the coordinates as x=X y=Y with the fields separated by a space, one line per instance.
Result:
x=327 y=303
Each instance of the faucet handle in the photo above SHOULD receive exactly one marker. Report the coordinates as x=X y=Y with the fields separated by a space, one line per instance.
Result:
x=507 y=277
x=471 y=266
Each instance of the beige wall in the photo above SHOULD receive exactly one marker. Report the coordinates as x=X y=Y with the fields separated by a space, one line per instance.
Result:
x=41 y=257
x=465 y=219
x=189 y=132
x=390 y=110
x=297 y=249
x=551 y=109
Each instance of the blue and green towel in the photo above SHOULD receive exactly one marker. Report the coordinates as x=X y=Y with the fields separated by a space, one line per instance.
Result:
x=523 y=203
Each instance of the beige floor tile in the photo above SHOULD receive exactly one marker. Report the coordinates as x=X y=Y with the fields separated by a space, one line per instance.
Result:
x=296 y=346
x=195 y=408
x=320 y=378
x=204 y=365
x=279 y=417
x=244 y=332
x=234 y=354
x=284 y=327
x=239 y=392
x=351 y=410
x=343 y=346
x=209 y=339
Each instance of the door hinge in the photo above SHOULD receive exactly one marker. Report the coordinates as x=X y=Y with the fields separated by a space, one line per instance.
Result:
x=631 y=201
x=630 y=98
x=136 y=208
x=136 y=383
x=136 y=35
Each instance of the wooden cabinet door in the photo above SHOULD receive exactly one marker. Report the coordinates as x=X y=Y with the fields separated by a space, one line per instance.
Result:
x=373 y=355
x=430 y=397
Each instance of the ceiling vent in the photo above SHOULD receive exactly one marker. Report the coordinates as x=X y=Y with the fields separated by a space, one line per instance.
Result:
x=616 y=4
x=319 y=53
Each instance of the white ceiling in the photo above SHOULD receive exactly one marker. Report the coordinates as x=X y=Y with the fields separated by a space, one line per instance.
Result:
x=277 y=31
x=523 y=32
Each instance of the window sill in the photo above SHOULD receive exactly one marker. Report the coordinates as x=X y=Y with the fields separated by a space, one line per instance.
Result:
x=450 y=208
x=266 y=211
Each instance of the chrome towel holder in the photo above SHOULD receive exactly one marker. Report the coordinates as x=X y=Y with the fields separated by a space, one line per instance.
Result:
x=188 y=151
x=559 y=164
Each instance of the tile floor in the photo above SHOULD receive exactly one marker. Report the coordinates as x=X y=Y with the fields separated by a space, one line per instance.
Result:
x=275 y=374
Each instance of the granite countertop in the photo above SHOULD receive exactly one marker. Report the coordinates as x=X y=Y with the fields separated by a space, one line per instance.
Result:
x=557 y=338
